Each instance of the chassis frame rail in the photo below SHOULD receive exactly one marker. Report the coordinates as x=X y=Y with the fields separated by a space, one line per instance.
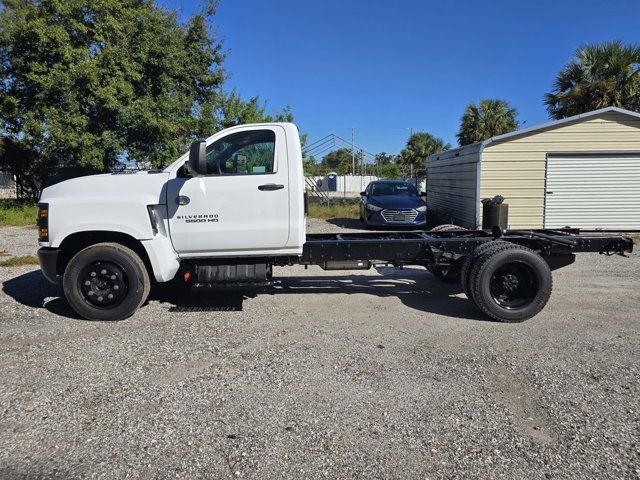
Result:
x=434 y=248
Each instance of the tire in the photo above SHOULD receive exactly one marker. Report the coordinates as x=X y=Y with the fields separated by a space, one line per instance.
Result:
x=106 y=281
x=510 y=283
x=469 y=261
x=450 y=274
x=448 y=227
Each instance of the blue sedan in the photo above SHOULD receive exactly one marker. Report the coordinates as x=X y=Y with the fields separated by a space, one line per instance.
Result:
x=392 y=203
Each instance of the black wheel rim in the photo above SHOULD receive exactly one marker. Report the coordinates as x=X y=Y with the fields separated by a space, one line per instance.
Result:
x=103 y=284
x=513 y=285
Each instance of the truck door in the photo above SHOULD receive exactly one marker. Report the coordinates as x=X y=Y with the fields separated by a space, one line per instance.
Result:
x=242 y=204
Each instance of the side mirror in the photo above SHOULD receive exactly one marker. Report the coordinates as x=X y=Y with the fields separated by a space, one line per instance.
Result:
x=362 y=194
x=197 y=163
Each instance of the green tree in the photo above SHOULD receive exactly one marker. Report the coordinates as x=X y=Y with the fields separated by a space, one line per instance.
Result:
x=383 y=158
x=236 y=111
x=390 y=170
x=419 y=146
x=600 y=75
x=490 y=117
x=88 y=85
x=311 y=167
x=340 y=161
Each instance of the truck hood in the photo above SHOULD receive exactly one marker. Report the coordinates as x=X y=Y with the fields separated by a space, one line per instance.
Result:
x=147 y=186
x=396 y=201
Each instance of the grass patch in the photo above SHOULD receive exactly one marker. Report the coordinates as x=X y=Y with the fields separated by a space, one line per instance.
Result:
x=19 y=261
x=17 y=213
x=334 y=211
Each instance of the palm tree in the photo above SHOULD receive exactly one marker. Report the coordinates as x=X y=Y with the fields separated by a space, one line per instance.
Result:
x=419 y=146
x=490 y=117
x=600 y=75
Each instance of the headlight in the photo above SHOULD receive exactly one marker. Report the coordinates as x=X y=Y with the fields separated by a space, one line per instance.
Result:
x=373 y=208
x=43 y=222
x=423 y=208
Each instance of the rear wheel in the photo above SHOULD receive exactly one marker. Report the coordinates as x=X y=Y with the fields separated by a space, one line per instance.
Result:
x=451 y=273
x=106 y=281
x=510 y=283
x=481 y=250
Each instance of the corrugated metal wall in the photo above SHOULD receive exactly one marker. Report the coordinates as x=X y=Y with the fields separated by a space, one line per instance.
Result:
x=593 y=192
x=515 y=167
x=452 y=181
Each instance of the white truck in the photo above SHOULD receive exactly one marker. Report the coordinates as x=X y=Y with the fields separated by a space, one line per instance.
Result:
x=233 y=207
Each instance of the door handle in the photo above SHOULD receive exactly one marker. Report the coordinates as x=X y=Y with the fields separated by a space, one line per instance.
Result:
x=270 y=186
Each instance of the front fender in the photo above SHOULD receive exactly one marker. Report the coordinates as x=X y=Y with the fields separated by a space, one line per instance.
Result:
x=115 y=215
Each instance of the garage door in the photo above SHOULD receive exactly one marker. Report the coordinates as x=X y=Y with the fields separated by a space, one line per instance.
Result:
x=593 y=191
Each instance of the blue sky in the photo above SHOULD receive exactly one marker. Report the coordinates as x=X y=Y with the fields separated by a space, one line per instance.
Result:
x=383 y=67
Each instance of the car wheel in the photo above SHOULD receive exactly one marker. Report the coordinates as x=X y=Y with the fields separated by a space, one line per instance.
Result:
x=479 y=251
x=106 y=281
x=510 y=283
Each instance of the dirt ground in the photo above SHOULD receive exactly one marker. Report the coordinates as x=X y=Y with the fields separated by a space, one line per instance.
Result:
x=385 y=373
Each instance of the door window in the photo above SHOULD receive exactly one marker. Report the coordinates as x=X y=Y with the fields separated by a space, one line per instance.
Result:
x=242 y=153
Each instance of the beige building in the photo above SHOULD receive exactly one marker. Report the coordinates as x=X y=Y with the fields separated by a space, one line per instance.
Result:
x=582 y=171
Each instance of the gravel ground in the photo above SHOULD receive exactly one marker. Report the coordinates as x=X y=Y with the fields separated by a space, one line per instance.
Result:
x=325 y=375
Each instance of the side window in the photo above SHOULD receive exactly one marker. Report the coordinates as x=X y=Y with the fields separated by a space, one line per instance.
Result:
x=242 y=153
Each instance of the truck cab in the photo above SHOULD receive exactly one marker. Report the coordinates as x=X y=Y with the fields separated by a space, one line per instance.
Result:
x=246 y=199
x=239 y=193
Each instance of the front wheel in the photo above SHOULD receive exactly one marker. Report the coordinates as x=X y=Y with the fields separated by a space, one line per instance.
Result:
x=106 y=281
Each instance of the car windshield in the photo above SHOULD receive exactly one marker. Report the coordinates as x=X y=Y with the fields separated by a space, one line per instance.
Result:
x=399 y=189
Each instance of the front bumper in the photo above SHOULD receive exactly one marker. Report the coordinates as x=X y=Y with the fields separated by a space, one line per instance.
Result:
x=48 y=258
x=376 y=218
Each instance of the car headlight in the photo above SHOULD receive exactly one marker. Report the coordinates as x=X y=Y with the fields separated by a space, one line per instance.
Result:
x=373 y=208
x=423 y=208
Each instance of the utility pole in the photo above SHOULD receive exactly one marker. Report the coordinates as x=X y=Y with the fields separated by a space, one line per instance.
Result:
x=353 y=151
x=410 y=164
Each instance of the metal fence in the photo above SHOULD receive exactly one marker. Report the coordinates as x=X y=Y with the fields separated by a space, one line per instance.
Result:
x=6 y=180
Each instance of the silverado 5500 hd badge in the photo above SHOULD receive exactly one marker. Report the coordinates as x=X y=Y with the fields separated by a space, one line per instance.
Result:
x=204 y=218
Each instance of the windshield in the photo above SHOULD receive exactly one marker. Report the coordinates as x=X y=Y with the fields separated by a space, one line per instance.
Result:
x=399 y=189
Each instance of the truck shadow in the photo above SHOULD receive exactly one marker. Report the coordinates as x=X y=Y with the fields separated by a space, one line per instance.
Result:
x=417 y=289
x=181 y=299
x=33 y=290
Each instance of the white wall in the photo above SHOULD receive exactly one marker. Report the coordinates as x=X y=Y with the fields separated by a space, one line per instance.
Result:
x=348 y=183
